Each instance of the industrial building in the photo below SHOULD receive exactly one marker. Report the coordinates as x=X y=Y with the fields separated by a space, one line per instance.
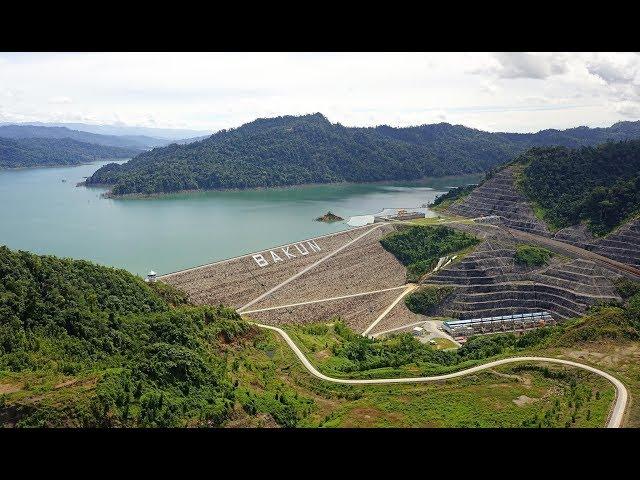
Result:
x=504 y=323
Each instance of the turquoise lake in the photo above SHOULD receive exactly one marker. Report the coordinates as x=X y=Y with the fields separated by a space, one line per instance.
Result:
x=44 y=214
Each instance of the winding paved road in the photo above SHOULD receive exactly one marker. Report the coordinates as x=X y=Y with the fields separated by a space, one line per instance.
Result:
x=410 y=288
x=615 y=418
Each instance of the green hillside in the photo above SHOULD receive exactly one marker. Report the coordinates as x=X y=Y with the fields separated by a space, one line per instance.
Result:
x=147 y=363
x=48 y=152
x=419 y=247
x=137 y=142
x=598 y=185
x=309 y=149
x=83 y=345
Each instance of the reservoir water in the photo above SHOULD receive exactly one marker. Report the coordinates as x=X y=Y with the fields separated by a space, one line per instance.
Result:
x=42 y=213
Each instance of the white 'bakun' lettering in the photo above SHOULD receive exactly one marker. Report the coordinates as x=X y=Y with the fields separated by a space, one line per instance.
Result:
x=300 y=247
x=286 y=252
x=314 y=246
x=260 y=260
x=302 y=252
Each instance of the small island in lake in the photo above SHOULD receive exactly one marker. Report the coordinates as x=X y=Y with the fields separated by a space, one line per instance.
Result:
x=329 y=218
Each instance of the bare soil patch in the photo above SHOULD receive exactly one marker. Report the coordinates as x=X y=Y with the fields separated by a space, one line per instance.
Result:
x=523 y=400
x=9 y=388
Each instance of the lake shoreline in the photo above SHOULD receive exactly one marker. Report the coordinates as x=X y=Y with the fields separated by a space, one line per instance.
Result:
x=142 y=196
x=174 y=232
x=72 y=165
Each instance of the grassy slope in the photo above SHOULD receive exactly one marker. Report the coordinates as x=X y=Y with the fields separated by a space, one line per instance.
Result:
x=274 y=389
x=604 y=340
x=270 y=387
x=621 y=359
x=468 y=402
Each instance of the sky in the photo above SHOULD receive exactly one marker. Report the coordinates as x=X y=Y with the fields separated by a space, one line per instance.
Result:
x=511 y=92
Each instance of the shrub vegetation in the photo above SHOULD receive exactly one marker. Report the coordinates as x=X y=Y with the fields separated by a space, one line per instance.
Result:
x=154 y=365
x=443 y=201
x=531 y=256
x=425 y=300
x=420 y=247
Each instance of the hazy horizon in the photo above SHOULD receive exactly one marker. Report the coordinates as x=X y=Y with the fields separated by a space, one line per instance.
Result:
x=207 y=92
x=187 y=131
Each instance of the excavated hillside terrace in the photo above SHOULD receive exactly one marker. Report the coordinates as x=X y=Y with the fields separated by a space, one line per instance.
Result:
x=622 y=245
x=349 y=274
x=498 y=196
x=488 y=282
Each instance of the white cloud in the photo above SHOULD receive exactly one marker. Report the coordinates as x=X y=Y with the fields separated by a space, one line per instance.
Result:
x=489 y=87
x=629 y=109
x=614 y=68
x=60 y=100
x=526 y=65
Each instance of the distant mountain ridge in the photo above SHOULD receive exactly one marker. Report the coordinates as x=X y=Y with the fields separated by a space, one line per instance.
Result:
x=166 y=134
x=290 y=150
x=49 y=152
x=138 y=142
x=580 y=136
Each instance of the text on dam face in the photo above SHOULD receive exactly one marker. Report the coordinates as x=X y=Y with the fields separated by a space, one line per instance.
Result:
x=286 y=253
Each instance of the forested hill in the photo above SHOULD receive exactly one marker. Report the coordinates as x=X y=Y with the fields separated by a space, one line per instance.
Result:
x=577 y=137
x=293 y=150
x=139 y=142
x=48 y=152
x=598 y=185
x=120 y=352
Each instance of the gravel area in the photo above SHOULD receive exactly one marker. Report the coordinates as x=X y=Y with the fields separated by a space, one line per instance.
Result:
x=357 y=312
x=399 y=316
x=361 y=267
x=237 y=281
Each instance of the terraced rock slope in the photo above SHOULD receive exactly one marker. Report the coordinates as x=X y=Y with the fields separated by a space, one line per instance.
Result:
x=499 y=196
x=622 y=245
x=488 y=282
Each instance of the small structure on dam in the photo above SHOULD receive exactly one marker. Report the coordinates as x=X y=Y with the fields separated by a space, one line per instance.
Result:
x=400 y=214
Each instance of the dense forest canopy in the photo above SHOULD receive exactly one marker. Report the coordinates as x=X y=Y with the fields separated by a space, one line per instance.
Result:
x=155 y=365
x=293 y=150
x=420 y=247
x=49 y=152
x=598 y=185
